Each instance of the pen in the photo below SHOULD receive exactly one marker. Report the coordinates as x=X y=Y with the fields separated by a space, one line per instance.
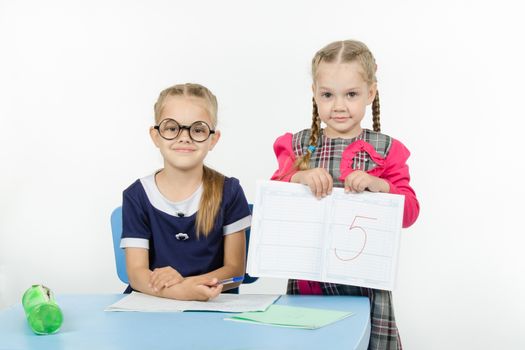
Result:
x=231 y=280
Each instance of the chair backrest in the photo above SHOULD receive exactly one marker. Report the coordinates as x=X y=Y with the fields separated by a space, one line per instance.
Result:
x=247 y=278
x=116 y=231
x=120 y=258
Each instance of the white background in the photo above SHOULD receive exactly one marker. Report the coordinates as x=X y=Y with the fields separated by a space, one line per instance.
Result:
x=77 y=87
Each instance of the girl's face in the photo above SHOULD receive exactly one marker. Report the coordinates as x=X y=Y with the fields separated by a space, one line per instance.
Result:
x=183 y=153
x=342 y=95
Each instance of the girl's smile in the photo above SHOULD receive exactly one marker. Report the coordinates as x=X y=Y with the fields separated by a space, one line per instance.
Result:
x=184 y=150
x=184 y=145
x=340 y=119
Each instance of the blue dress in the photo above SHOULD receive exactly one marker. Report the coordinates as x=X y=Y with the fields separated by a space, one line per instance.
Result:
x=167 y=229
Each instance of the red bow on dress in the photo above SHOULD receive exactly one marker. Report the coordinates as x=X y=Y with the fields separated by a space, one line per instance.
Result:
x=348 y=159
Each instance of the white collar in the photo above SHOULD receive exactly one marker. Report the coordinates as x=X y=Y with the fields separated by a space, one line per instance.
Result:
x=186 y=207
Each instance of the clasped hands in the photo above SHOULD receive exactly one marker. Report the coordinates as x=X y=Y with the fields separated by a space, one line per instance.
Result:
x=321 y=182
x=201 y=288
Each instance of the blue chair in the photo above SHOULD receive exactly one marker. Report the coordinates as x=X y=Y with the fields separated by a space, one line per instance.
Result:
x=120 y=258
x=116 y=231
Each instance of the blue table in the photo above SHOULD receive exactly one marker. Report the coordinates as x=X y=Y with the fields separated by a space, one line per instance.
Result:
x=87 y=326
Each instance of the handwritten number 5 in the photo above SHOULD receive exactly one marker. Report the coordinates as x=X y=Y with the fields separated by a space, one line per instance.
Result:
x=355 y=227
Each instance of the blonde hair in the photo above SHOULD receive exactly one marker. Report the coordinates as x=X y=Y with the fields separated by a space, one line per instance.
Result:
x=188 y=90
x=213 y=181
x=341 y=52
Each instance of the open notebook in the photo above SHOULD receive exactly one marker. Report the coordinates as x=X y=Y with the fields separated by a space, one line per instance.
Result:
x=224 y=302
x=347 y=238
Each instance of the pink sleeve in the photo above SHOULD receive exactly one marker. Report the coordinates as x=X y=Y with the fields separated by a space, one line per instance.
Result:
x=285 y=157
x=397 y=175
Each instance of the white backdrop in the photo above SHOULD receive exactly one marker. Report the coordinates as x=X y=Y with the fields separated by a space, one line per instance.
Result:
x=77 y=87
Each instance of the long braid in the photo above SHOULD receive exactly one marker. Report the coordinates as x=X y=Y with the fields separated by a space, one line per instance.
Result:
x=375 y=113
x=303 y=163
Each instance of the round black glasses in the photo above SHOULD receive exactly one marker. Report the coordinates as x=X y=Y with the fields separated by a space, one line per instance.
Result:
x=169 y=129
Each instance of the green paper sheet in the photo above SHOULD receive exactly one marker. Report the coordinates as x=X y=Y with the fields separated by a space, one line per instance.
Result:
x=292 y=316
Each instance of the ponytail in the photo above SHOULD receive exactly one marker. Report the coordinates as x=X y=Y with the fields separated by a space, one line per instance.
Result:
x=213 y=184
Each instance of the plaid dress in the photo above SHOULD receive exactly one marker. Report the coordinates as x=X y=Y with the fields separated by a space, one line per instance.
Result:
x=328 y=155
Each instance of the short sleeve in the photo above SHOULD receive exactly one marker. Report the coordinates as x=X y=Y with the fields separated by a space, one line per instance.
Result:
x=136 y=231
x=398 y=177
x=237 y=214
x=285 y=158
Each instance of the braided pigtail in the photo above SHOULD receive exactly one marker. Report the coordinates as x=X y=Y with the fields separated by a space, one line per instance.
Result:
x=375 y=113
x=303 y=163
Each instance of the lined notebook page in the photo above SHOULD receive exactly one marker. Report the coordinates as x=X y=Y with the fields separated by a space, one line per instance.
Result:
x=343 y=238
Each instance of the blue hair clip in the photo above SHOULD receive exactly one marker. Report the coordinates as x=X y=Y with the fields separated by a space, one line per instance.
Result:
x=311 y=149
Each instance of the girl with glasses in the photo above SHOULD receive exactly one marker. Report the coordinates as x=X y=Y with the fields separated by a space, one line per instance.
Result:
x=183 y=226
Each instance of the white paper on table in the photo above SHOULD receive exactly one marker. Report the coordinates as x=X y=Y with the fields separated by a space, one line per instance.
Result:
x=224 y=302
x=347 y=238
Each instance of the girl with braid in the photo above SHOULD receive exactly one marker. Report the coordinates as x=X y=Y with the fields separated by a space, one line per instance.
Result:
x=343 y=154
x=183 y=225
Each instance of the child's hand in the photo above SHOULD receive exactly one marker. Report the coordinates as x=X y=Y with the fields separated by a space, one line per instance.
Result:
x=318 y=179
x=199 y=288
x=358 y=181
x=164 y=277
